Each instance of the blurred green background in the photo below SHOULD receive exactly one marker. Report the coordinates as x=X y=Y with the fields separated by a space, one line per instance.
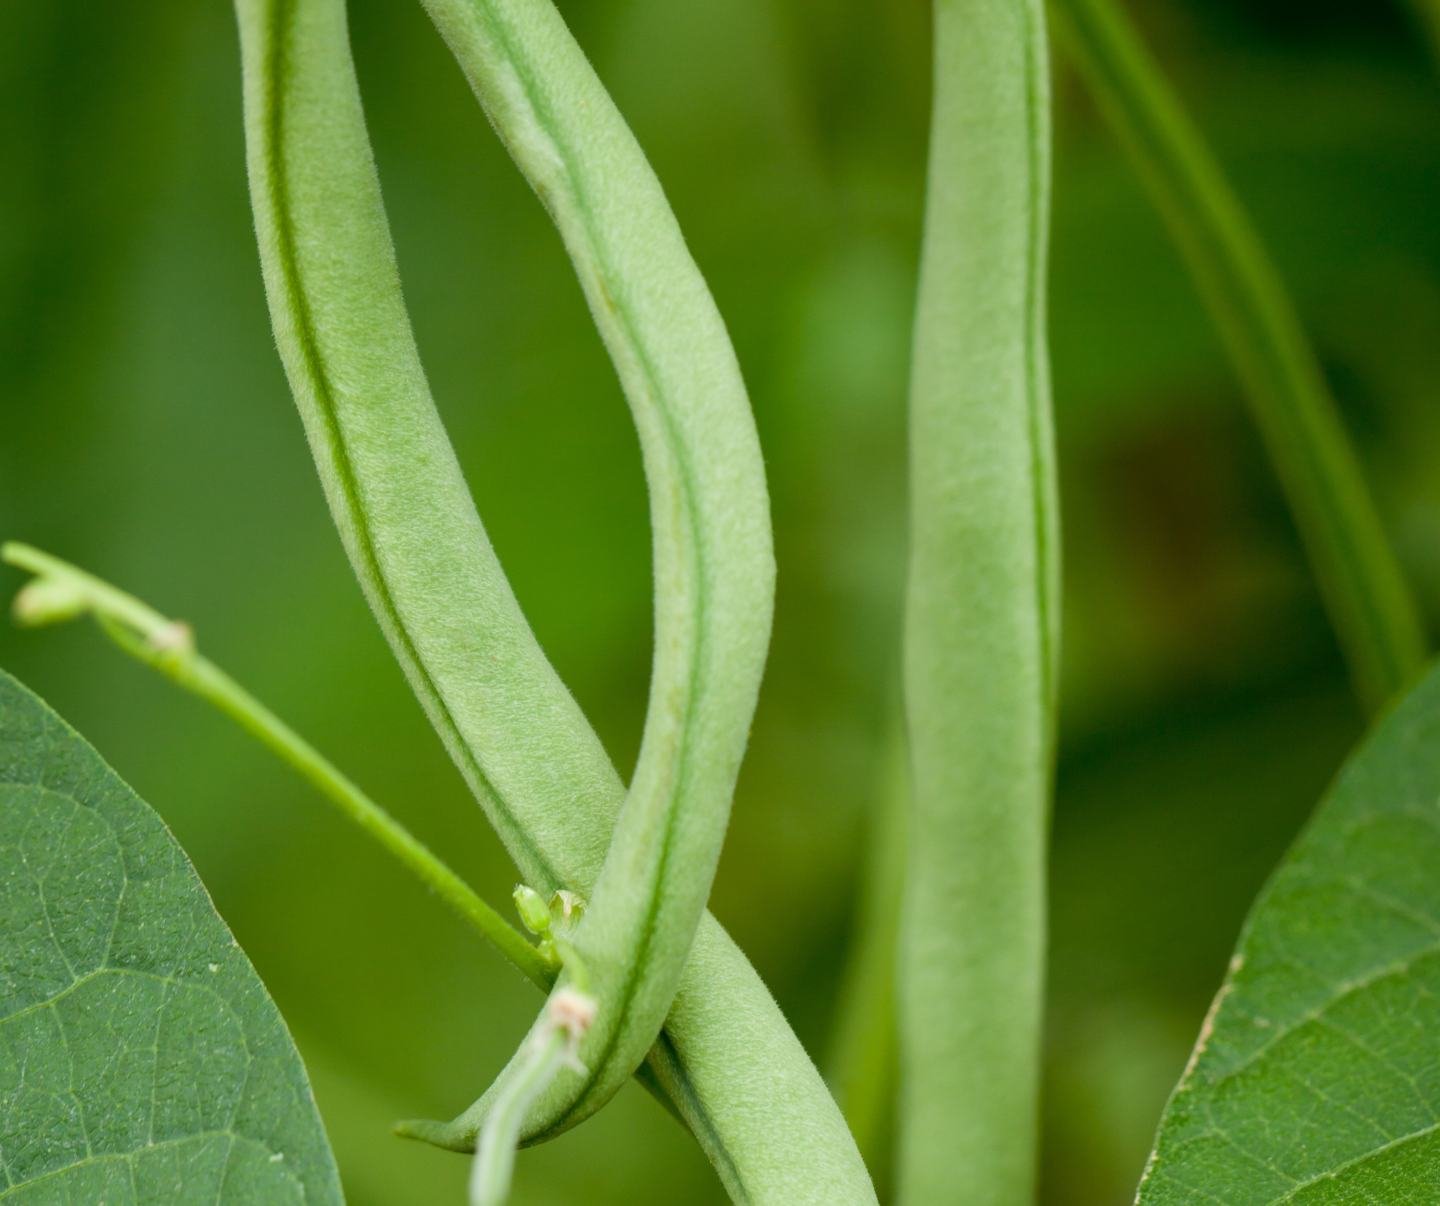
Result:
x=148 y=435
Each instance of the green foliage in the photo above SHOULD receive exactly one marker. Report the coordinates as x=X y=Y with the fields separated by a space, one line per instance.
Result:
x=1316 y=1077
x=417 y=544
x=1371 y=605
x=1200 y=673
x=981 y=620
x=140 y=1057
x=60 y=591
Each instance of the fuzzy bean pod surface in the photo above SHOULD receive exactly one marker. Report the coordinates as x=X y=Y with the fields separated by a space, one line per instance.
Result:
x=981 y=614
x=714 y=567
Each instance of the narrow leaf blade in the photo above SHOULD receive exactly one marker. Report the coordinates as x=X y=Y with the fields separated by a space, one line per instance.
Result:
x=141 y=1059
x=1317 y=1075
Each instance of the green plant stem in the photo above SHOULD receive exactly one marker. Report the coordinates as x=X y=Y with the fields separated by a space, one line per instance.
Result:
x=864 y=1058
x=981 y=620
x=150 y=637
x=546 y=1051
x=1369 y=601
x=1427 y=17
x=535 y=1070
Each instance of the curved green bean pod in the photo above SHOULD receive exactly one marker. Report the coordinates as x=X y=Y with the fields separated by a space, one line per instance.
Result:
x=981 y=618
x=423 y=559
x=714 y=567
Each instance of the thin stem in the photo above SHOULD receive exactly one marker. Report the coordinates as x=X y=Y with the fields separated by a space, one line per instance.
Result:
x=551 y=1046
x=495 y=1148
x=864 y=1058
x=1370 y=603
x=166 y=646
x=1427 y=16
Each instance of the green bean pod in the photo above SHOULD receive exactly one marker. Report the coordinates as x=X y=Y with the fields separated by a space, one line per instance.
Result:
x=714 y=566
x=411 y=531
x=981 y=611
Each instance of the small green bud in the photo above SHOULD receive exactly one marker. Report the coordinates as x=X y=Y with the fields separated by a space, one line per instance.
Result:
x=175 y=639
x=49 y=601
x=566 y=908
x=532 y=909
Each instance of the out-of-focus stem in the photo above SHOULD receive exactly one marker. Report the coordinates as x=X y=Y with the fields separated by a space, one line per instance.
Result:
x=1369 y=601
x=864 y=1056
x=1427 y=16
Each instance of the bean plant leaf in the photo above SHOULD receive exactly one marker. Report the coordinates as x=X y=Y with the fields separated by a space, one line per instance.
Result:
x=141 y=1059
x=1317 y=1074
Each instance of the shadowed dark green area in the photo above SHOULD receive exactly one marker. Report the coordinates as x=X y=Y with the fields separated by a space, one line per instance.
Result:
x=1316 y=1077
x=140 y=1057
x=149 y=436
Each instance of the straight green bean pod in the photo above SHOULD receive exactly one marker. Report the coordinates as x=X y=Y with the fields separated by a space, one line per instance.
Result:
x=981 y=616
x=420 y=551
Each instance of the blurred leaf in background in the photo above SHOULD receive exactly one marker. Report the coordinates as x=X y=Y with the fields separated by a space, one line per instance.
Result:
x=149 y=436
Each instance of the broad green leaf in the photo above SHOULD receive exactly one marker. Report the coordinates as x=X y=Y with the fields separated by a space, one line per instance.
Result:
x=1316 y=1077
x=141 y=1060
